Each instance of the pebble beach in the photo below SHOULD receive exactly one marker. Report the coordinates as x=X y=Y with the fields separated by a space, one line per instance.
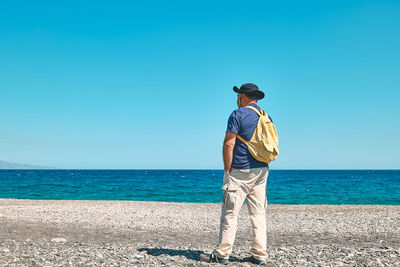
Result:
x=133 y=233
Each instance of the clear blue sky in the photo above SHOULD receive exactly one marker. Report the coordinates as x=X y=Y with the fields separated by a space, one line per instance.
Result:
x=148 y=84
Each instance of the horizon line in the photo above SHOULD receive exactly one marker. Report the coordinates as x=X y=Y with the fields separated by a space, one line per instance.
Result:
x=201 y=169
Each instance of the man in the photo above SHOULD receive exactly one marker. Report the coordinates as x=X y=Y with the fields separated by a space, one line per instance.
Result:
x=244 y=178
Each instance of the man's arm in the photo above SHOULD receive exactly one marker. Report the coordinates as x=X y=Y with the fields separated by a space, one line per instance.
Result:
x=227 y=151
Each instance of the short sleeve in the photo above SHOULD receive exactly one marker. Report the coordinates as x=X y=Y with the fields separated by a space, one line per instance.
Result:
x=233 y=123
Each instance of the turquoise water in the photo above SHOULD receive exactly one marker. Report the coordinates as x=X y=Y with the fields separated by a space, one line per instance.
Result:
x=202 y=186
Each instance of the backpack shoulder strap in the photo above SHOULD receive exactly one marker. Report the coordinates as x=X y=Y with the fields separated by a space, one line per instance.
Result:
x=259 y=113
x=253 y=108
x=241 y=139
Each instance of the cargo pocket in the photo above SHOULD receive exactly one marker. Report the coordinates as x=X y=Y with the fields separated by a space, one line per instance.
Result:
x=230 y=195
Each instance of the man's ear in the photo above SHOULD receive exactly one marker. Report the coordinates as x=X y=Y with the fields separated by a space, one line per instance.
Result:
x=243 y=98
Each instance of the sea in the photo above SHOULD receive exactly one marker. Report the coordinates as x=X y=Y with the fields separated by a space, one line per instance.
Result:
x=376 y=187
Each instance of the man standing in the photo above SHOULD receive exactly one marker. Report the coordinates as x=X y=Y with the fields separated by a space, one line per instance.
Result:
x=244 y=178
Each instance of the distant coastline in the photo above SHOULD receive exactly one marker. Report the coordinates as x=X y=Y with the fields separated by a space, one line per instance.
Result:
x=17 y=166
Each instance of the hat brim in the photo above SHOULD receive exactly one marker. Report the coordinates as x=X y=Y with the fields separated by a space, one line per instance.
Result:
x=256 y=95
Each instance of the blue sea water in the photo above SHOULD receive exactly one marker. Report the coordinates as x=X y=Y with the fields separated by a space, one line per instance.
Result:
x=202 y=186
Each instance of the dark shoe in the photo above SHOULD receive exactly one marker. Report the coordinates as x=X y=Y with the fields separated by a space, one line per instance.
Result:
x=211 y=258
x=257 y=261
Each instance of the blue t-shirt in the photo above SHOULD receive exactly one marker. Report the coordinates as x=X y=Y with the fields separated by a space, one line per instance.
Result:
x=243 y=122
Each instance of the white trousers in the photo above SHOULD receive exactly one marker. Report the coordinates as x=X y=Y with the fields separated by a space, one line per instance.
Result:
x=238 y=185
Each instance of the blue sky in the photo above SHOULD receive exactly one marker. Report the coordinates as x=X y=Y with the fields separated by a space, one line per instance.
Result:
x=148 y=84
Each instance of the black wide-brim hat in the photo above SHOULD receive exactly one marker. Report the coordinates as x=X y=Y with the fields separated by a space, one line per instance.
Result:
x=250 y=90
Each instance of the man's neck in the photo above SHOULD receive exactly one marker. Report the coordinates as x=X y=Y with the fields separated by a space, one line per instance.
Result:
x=251 y=102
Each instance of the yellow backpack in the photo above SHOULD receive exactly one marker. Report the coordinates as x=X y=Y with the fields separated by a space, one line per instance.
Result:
x=263 y=145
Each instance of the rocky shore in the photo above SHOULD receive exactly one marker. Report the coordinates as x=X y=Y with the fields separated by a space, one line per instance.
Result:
x=131 y=233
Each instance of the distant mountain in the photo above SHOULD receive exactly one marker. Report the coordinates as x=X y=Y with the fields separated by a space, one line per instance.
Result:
x=10 y=165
